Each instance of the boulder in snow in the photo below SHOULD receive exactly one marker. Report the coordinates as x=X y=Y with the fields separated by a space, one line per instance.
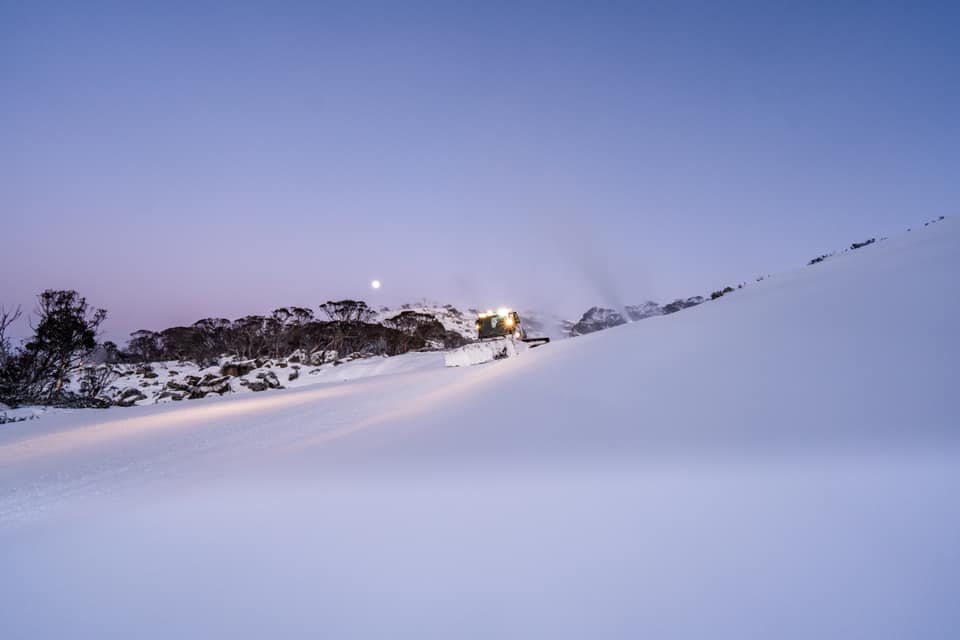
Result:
x=237 y=369
x=270 y=379
x=130 y=397
x=256 y=385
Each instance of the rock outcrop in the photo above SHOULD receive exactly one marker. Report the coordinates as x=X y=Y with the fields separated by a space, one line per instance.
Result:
x=599 y=318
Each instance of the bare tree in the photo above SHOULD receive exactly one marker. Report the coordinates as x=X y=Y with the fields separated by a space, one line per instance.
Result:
x=95 y=379
x=7 y=318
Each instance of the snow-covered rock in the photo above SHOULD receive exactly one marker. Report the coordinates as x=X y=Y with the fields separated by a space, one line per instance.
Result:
x=644 y=310
x=129 y=397
x=680 y=304
x=597 y=319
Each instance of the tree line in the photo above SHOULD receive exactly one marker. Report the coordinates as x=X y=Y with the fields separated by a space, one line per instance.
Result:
x=66 y=329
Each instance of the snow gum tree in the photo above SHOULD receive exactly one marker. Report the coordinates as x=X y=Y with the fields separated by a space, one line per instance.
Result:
x=65 y=333
x=347 y=311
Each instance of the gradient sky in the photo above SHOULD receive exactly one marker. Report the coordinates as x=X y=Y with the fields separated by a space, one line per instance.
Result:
x=176 y=160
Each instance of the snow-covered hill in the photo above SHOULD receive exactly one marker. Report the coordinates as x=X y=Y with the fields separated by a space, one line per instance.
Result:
x=452 y=318
x=783 y=462
x=96 y=383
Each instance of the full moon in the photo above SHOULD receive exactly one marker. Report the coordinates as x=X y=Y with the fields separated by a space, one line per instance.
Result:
x=375 y=284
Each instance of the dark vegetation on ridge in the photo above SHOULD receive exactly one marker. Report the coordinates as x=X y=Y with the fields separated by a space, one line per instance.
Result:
x=66 y=330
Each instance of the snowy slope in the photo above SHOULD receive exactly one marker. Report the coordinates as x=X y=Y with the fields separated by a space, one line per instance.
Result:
x=171 y=381
x=782 y=462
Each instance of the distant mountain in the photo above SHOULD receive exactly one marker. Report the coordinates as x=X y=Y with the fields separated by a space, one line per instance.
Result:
x=599 y=318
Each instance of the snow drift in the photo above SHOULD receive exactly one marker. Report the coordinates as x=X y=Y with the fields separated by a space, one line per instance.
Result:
x=486 y=351
x=781 y=462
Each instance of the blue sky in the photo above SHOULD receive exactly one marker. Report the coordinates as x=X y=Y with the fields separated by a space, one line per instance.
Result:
x=186 y=159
